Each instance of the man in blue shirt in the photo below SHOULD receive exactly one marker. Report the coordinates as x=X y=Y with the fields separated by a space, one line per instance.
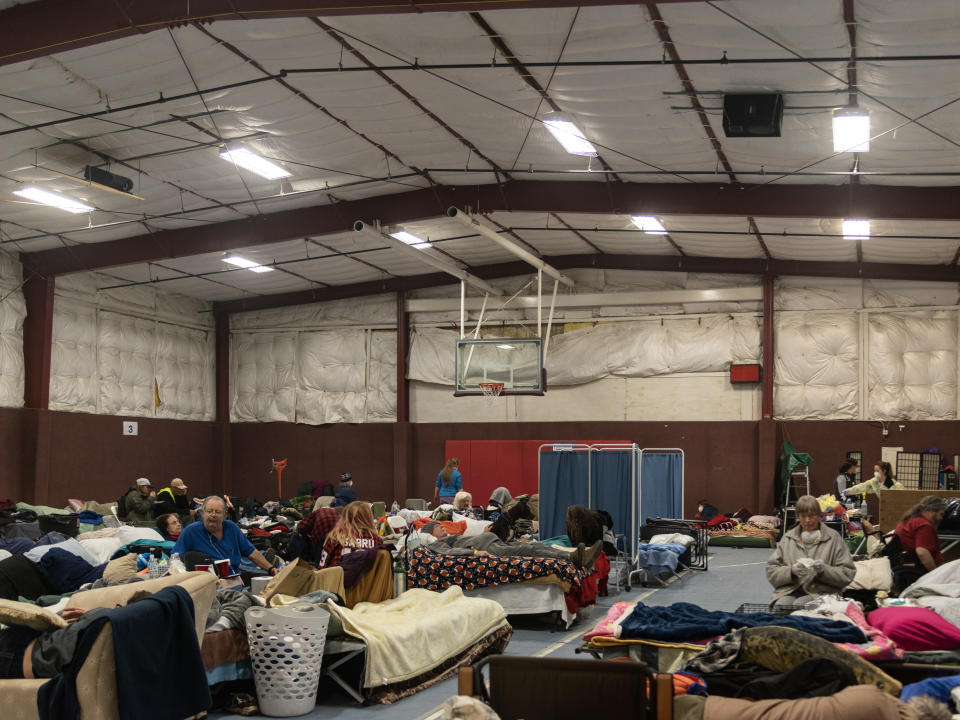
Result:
x=220 y=538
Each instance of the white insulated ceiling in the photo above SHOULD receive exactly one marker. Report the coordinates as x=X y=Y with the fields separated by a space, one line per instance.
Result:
x=349 y=134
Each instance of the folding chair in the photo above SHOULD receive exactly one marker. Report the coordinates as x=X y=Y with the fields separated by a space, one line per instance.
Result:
x=534 y=688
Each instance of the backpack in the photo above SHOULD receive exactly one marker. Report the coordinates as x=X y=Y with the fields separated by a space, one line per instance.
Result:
x=122 y=504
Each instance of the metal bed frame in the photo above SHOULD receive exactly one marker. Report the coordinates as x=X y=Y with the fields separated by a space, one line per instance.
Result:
x=696 y=556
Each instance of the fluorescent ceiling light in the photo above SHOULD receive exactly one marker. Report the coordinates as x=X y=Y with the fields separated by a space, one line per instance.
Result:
x=507 y=347
x=856 y=229
x=410 y=239
x=60 y=202
x=851 y=131
x=247 y=264
x=254 y=163
x=565 y=131
x=650 y=225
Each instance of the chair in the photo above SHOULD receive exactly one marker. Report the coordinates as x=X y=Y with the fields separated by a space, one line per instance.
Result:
x=547 y=688
x=415 y=504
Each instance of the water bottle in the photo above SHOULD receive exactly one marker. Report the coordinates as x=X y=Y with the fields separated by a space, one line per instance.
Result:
x=163 y=567
x=153 y=567
x=863 y=507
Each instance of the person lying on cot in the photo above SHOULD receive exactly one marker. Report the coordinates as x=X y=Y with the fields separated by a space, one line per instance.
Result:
x=487 y=543
x=28 y=653
x=811 y=559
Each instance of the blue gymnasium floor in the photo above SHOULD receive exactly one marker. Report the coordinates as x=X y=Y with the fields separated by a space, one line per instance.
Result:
x=736 y=576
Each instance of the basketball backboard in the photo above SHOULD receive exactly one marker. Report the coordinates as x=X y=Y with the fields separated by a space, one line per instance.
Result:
x=515 y=362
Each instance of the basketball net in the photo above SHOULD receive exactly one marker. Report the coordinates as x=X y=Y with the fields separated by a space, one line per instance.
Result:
x=491 y=391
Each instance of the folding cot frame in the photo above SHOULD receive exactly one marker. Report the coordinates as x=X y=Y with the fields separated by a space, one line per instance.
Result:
x=696 y=556
x=636 y=482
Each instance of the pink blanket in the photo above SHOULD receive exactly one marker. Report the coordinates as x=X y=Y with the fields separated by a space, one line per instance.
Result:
x=604 y=628
x=878 y=647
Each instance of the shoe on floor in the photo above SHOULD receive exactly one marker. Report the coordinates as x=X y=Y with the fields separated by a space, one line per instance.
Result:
x=242 y=704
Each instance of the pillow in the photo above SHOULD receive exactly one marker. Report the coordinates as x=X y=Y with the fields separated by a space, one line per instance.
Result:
x=75 y=505
x=129 y=534
x=671 y=538
x=31 y=616
x=71 y=545
x=101 y=549
x=874 y=574
x=915 y=628
x=120 y=570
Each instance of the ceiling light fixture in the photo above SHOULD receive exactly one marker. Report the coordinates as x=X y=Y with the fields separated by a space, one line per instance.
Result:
x=246 y=264
x=649 y=224
x=410 y=239
x=856 y=229
x=566 y=132
x=851 y=130
x=254 y=163
x=61 y=202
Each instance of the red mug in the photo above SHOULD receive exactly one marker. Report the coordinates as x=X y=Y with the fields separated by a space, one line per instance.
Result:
x=222 y=568
x=202 y=568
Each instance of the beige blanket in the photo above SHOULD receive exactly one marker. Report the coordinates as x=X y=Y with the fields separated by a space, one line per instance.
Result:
x=411 y=634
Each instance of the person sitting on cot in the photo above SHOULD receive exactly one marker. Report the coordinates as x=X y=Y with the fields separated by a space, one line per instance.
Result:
x=487 y=543
x=354 y=530
x=463 y=504
x=811 y=559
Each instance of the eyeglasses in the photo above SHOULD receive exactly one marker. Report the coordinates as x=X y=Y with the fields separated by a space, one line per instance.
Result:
x=212 y=511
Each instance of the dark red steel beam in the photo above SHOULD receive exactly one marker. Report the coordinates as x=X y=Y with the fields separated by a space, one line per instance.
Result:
x=37 y=340
x=403 y=336
x=739 y=266
x=818 y=201
x=766 y=347
x=45 y=27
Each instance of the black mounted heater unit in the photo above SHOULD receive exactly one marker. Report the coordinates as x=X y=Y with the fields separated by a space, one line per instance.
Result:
x=105 y=177
x=752 y=115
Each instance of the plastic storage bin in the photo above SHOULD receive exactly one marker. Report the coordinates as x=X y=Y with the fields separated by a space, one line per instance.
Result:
x=286 y=650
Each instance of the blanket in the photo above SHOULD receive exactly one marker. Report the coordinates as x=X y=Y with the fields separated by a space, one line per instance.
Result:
x=686 y=621
x=431 y=571
x=417 y=631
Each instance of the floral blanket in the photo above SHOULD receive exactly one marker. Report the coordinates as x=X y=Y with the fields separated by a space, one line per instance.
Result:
x=433 y=571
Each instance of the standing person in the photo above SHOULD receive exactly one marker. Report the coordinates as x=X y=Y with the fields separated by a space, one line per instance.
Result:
x=219 y=538
x=354 y=531
x=139 y=502
x=810 y=560
x=883 y=479
x=449 y=482
x=846 y=478
x=173 y=499
x=345 y=494
x=917 y=532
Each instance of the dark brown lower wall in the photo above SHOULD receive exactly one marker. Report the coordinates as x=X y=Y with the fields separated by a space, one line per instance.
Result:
x=48 y=457
x=11 y=444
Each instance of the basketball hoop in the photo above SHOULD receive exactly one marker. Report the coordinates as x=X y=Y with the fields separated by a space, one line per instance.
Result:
x=491 y=390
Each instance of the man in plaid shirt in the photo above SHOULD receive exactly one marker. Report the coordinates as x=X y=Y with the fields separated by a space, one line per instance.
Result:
x=315 y=527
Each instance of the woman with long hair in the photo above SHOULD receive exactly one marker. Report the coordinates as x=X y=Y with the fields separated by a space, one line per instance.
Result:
x=917 y=532
x=353 y=531
x=449 y=482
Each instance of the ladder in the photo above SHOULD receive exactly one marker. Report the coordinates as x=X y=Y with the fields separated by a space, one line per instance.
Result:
x=798 y=486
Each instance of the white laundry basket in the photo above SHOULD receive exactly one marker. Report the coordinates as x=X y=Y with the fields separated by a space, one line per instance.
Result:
x=286 y=649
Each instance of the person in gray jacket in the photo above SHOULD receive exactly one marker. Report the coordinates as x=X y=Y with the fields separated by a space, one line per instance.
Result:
x=810 y=560
x=486 y=543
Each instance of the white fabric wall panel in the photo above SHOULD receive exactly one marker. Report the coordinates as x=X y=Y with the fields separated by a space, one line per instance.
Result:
x=332 y=376
x=817 y=365
x=183 y=373
x=74 y=375
x=126 y=347
x=913 y=365
x=382 y=377
x=263 y=377
x=12 y=312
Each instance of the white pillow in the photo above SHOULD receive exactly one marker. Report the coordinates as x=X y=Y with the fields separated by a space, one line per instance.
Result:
x=71 y=545
x=102 y=549
x=128 y=534
x=671 y=538
x=4 y=554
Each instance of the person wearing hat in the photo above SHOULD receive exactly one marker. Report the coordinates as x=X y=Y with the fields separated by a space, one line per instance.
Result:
x=140 y=501
x=345 y=494
x=174 y=499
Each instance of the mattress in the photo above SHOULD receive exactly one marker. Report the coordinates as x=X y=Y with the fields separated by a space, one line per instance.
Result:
x=527 y=599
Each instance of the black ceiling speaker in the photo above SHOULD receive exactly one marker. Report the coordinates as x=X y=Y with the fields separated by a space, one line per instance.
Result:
x=104 y=177
x=752 y=115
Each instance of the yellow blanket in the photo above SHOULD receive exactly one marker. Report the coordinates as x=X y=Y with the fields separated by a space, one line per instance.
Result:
x=411 y=634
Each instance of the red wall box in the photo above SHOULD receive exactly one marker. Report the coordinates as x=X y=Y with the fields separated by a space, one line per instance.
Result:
x=745 y=373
